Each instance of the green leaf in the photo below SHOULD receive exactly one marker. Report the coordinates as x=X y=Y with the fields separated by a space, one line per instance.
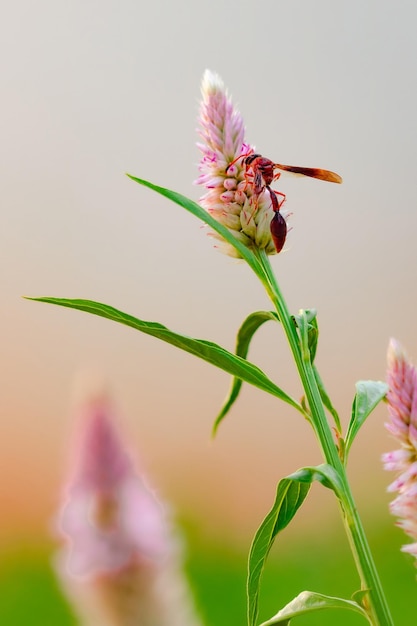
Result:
x=324 y=474
x=308 y=328
x=312 y=332
x=290 y=496
x=210 y=352
x=243 y=339
x=204 y=216
x=309 y=601
x=291 y=493
x=326 y=400
x=369 y=394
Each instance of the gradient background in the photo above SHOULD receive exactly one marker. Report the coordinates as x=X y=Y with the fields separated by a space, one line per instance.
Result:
x=93 y=89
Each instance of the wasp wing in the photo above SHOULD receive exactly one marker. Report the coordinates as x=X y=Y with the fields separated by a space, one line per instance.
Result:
x=313 y=172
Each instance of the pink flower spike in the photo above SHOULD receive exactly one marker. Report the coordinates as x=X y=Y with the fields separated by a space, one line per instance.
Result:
x=230 y=189
x=120 y=564
x=402 y=410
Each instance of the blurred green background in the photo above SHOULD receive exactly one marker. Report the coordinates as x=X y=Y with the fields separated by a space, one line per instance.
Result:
x=30 y=595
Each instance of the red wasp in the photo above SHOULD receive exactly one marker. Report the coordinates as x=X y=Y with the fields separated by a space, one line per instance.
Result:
x=260 y=174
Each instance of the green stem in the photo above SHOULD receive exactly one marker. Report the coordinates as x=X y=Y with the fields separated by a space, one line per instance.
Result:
x=377 y=607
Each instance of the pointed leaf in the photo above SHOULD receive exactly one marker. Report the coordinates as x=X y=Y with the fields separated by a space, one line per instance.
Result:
x=326 y=400
x=203 y=215
x=309 y=601
x=290 y=496
x=291 y=493
x=243 y=339
x=324 y=474
x=210 y=352
x=308 y=328
x=313 y=337
x=369 y=394
x=312 y=332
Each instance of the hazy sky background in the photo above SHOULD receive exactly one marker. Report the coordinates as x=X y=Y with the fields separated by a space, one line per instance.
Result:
x=91 y=90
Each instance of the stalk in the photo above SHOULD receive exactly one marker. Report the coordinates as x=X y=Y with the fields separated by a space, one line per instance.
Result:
x=376 y=605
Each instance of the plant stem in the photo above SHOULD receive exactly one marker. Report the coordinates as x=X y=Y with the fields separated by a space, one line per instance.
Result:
x=376 y=606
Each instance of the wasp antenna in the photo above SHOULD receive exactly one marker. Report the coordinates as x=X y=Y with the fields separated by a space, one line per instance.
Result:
x=234 y=161
x=241 y=156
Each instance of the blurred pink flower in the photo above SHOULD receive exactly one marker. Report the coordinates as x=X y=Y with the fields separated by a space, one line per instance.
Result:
x=402 y=409
x=121 y=564
x=230 y=198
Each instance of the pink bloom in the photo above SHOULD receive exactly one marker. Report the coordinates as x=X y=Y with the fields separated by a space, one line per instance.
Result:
x=402 y=409
x=120 y=565
x=230 y=197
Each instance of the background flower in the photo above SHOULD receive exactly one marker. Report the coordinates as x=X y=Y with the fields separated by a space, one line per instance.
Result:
x=120 y=564
x=402 y=409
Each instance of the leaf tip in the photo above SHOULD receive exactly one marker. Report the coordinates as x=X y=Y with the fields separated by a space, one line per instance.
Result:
x=215 y=428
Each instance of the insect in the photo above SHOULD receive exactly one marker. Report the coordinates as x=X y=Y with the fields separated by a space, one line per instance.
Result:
x=278 y=228
x=260 y=173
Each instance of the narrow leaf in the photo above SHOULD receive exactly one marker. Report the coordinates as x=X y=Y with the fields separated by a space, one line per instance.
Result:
x=243 y=339
x=308 y=329
x=290 y=496
x=210 y=352
x=369 y=394
x=324 y=474
x=326 y=399
x=309 y=601
x=204 y=216
x=313 y=332
x=291 y=493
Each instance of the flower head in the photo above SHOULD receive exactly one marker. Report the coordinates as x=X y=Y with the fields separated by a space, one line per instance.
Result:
x=402 y=409
x=231 y=197
x=120 y=564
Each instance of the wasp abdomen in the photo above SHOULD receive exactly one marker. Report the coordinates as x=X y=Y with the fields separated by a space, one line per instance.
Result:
x=278 y=231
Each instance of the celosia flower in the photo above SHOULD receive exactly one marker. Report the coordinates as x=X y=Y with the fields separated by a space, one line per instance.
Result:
x=120 y=565
x=230 y=198
x=402 y=408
